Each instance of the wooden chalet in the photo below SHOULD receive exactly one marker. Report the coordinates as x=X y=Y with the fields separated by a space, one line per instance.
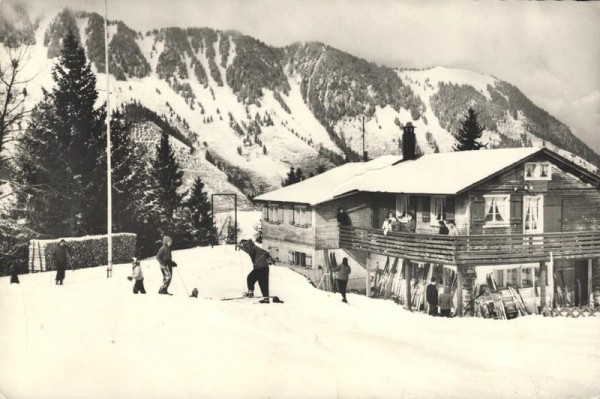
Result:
x=526 y=217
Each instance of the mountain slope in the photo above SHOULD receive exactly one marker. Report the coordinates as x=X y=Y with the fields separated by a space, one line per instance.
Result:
x=257 y=110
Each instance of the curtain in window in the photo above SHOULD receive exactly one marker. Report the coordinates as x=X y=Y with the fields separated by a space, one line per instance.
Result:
x=495 y=209
x=532 y=213
x=439 y=208
x=401 y=205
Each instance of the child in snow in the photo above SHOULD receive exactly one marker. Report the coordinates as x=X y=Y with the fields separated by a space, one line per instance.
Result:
x=166 y=264
x=261 y=260
x=342 y=273
x=138 y=276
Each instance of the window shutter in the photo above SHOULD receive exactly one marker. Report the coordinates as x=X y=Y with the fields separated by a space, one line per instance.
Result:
x=425 y=209
x=478 y=209
x=516 y=208
x=291 y=257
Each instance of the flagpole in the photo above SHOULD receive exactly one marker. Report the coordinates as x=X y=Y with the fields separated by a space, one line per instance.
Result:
x=108 y=148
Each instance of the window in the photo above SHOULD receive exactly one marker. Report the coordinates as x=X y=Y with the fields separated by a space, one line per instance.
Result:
x=274 y=252
x=526 y=277
x=302 y=216
x=438 y=210
x=299 y=259
x=538 y=171
x=275 y=214
x=404 y=204
x=532 y=210
x=497 y=208
x=265 y=212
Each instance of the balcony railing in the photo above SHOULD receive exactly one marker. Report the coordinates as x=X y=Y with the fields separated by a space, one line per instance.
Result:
x=473 y=249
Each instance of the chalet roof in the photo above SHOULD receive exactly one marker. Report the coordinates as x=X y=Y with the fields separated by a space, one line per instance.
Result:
x=443 y=173
x=435 y=174
x=326 y=186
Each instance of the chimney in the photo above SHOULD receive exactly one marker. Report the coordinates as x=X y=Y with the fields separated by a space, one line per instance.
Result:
x=409 y=142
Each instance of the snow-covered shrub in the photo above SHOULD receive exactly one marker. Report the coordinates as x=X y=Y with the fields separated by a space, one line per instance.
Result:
x=91 y=251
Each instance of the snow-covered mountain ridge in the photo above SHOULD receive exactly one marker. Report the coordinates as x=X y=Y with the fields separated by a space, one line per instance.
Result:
x=257 y=109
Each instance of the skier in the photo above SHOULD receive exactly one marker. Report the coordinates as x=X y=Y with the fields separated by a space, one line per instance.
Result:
x=138 y=276
x=432 y=297
x=60 y=256
x=166 y=264
x=261 y=260
x=342 y=273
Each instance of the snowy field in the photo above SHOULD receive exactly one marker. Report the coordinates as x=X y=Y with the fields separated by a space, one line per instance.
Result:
x=92 y=338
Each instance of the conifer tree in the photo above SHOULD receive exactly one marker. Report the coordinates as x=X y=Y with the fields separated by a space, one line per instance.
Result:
x=62 y=146
x=201 y=214
x=469 y=133
x=169 y=176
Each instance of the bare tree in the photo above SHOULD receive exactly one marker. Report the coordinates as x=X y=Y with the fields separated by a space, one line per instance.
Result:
x=13 y=93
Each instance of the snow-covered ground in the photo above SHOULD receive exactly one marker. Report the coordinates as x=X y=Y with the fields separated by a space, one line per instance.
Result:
x=93 y=338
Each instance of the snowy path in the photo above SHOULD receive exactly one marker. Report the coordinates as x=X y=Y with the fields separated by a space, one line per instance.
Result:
x=93 y=338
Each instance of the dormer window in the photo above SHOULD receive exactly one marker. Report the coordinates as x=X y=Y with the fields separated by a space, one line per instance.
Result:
x=538 y=171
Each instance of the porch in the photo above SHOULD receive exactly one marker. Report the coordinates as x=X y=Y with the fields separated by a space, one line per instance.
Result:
x=466 y=252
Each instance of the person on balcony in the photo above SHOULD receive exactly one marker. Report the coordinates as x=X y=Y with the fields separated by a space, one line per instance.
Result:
x=452 y=229
x=431 y=295
x=409 y=225
x=343 y=218
x=443 y=228
x=390 y=224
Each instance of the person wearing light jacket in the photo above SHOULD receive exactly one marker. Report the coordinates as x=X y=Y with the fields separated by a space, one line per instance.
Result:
x=342 y=272
x=166 y=264
x=138 y=276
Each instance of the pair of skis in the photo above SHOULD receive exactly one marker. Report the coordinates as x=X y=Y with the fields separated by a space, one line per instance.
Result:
x=273 y=298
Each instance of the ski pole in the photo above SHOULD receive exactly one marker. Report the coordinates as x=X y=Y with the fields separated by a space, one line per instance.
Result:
x=183 y=282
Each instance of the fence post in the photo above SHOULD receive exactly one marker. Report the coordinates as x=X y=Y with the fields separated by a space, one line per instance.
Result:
x=543 y=273
x=459 y=291
x=407 y=275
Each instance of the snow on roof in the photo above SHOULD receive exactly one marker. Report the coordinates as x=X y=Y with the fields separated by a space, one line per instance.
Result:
x=443 y=173
x=324 y=187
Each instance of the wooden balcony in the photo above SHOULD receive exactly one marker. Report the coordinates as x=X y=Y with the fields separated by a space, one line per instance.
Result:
x=474 y=249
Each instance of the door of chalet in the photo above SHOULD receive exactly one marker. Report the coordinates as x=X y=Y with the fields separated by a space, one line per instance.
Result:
x=552 y=215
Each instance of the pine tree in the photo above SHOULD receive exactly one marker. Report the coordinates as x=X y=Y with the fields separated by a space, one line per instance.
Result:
x=201 y=214
x=290 y=179
x=168 y=175
x=62 y=147
x=469 y=133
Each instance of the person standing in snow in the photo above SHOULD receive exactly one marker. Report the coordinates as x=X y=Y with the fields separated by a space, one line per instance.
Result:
x=166 y=264
x=343 y=218
x=342 y=273
x=261 y=260
x=445 y=301
x=60 y=256
x=432 y=297
x=138 y=276
x=14 y=274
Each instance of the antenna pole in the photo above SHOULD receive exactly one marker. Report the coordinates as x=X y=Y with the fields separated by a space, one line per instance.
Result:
x=108 y=148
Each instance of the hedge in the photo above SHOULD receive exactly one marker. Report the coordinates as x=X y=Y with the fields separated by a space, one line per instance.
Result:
x=87 y=251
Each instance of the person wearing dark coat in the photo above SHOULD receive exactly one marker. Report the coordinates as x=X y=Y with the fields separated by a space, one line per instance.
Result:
x=431 y=295
x=261 y=260
x=165 y=260
x=443 y=228
x=342 y=273
x=14 y=274
x=60 y=256
x=343 y=218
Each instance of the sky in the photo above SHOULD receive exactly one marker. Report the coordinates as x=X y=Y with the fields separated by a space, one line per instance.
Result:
x=550 y=50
